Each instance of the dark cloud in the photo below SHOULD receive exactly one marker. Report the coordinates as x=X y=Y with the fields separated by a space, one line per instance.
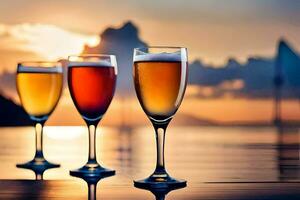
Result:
x=120 y=42
x=257 y=74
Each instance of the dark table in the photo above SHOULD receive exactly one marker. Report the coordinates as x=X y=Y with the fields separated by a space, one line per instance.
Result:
x=67 y=189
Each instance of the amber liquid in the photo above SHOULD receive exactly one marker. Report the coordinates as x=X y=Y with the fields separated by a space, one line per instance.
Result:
x=160 y=86
x=92 y=89
x=39 y=92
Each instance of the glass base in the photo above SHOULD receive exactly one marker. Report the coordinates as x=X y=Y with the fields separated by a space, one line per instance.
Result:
x=92 y=172
x=38 y=164
x=154 y=182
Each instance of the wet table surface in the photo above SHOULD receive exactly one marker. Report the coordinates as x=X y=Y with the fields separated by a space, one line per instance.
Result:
x=63 y=189
x=218 y=163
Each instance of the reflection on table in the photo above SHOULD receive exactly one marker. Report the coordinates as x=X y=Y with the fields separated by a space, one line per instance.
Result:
x=288 y=153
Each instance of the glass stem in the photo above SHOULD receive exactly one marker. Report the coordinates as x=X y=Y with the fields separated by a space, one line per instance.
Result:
x=92 y=145
x=160 y=132
x=92 y=191
x=39 y=176
x=39 y=141
x=160 y=197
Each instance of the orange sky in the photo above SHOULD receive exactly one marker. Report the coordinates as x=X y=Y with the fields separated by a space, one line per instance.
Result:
x=212 y=30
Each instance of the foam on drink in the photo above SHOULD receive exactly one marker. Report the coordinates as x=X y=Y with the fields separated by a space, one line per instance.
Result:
x=39 y=70
x=164 y=57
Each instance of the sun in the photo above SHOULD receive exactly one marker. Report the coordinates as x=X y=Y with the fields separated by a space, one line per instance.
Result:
x=48 y=41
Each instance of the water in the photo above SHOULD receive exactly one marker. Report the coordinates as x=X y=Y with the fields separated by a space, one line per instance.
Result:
x=198 y=154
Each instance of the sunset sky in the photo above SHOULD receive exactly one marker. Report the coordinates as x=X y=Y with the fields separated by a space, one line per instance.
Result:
x=212 y=30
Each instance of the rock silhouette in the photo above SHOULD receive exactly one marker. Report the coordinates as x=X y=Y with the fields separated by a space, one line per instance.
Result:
x=12 y=114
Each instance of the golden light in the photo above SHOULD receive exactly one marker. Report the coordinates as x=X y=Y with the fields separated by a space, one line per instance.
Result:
x=48 y=41
x=71 y=132
x=64 y=132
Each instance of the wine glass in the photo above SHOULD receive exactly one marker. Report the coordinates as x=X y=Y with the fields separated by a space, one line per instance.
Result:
x=39 y=85
x=160 y=78
x=92 y=82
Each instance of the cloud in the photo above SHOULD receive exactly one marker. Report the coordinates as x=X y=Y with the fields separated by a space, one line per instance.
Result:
x=255 y=78
x=45 y=41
